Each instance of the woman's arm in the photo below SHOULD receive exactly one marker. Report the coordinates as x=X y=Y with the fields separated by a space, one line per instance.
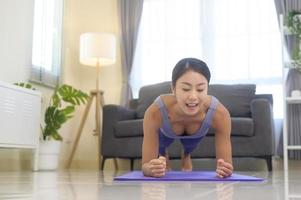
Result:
x=151 y=164
x=222 y=125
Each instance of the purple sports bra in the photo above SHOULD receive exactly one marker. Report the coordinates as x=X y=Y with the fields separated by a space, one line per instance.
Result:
x=167 y=136
x=166 y=128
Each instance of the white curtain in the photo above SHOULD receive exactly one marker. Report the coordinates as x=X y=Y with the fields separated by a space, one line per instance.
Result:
x=238 y=39
x=169 y=30
x=129 y=13
x=46 y=50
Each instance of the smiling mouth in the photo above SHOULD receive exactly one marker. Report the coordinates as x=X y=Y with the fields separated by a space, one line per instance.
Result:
x=192 y=105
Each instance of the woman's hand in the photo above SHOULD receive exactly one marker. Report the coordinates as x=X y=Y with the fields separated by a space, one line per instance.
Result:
x=223 y=169
x=157 y=167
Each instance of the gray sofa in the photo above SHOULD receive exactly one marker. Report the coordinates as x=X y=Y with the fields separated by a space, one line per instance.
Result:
x=251 y=117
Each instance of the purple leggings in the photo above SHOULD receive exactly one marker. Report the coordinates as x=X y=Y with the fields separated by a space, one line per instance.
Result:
x=189 y=144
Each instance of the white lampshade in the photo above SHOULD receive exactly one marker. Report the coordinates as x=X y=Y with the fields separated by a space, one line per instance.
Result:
x=97 y=48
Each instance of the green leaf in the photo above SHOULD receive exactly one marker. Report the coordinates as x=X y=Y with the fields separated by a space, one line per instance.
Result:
x=25 y=85
x=54 y=118
x=68 y=111
x=72 y=95
x=56 y=101
x=293 y=23
x=57 y=137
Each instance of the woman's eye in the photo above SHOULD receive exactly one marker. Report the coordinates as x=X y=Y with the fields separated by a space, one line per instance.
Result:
x=185 y=89
x=200 y=90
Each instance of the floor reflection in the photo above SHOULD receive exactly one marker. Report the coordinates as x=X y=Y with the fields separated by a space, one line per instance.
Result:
x=100 y=185
x=164 y=191
x=153 y=191
x=225 y=191
x=46 y=186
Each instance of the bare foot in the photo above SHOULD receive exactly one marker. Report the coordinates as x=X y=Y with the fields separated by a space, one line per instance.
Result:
x=186 y=163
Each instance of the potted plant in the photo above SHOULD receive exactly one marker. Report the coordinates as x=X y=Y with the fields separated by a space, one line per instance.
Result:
x=293 y=28
x=60 y=109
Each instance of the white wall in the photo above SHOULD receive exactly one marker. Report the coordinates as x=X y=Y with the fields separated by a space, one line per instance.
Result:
x=16 y=21
x=79 y=17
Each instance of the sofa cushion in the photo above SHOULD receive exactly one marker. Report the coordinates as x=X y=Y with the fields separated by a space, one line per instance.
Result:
x=148 y=94
x=134 y=128
x=236 y=98
x=129 y=128
x=240 y=126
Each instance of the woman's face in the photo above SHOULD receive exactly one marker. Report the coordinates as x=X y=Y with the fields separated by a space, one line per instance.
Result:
x=190 y=91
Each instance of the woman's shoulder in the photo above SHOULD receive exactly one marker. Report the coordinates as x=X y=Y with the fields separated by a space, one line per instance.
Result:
x=167 y=96
x=154 y=110
x=221 y=112
x=221 y=121
x=214 y=100
x=152 y=116
x=161 y=100
x=168 y=99
x=220 y=108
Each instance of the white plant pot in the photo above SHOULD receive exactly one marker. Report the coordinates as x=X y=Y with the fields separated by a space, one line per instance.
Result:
x=49 y=154
x=293 y=45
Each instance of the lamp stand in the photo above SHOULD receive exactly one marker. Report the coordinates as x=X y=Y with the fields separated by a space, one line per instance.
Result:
x=98 y=95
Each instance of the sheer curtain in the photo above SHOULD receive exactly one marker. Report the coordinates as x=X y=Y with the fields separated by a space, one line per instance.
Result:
x=239 y=40
x=46 y=50
x=169 y=30
x=129 y=20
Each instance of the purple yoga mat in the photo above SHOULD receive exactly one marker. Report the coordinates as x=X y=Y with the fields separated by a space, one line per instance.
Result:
x=185 y=176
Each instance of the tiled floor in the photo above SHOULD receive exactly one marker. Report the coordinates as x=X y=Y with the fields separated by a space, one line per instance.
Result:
x=90 y=185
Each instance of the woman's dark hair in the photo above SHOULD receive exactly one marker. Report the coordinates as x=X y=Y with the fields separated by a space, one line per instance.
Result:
x=190 y=64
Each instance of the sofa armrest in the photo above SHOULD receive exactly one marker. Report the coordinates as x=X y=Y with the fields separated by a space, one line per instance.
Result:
x=262 y=114
x=268 y=97
x=111 y=115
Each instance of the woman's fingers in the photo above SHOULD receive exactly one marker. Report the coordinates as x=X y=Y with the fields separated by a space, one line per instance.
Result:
x=158 y=166
x=158 y=172
x=221 y=173
x=158 y=163
x=162 y=158
x=227 y=165
x=223 y=169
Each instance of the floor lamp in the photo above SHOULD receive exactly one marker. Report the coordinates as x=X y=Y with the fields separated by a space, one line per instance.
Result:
x=97 y=50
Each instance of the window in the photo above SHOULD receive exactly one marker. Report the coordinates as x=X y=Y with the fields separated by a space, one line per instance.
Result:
x=238 y=39
x=169 y=30
x=46 y=51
